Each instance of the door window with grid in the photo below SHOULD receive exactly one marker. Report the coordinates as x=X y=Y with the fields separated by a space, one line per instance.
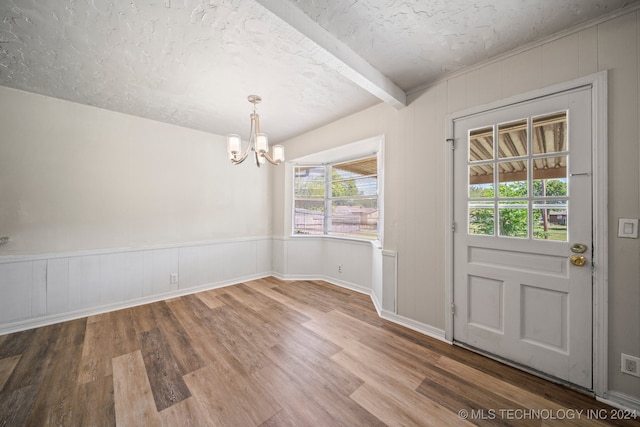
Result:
x=528 y=168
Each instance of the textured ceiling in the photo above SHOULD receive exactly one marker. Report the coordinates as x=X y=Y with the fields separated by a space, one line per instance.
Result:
x=192 y=63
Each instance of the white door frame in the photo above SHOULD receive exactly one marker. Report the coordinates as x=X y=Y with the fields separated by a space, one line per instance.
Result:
x=598 y=83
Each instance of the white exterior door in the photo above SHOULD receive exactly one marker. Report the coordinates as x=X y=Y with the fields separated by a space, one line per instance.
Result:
x=522 y=286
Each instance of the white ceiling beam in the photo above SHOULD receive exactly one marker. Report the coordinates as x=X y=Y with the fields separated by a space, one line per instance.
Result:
x=325 y=48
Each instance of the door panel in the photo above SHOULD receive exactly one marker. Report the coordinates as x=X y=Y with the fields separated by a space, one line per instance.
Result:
x=522 y=200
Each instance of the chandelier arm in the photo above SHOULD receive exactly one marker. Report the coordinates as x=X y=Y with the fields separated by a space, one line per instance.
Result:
x=240 y=159
x=243 y=155
x=257 y=157
x=270 y=160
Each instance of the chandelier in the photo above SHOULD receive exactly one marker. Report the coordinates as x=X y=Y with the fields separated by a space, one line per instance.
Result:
x=258 y=142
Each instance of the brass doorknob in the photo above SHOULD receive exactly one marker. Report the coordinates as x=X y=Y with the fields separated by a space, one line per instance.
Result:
x=578 y=260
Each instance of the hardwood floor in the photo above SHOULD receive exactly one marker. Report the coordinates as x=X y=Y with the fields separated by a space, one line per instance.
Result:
x=267 y=353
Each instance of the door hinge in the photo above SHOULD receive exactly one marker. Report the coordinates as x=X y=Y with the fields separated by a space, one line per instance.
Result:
x=453 y=227
x=453 y=308
x=452 y=142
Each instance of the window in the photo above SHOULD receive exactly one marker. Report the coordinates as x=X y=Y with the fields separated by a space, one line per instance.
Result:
x=528 y=168
x=338 y=199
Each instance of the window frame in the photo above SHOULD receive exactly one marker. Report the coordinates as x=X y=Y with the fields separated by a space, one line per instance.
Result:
x=371 y=147
x=329 y=198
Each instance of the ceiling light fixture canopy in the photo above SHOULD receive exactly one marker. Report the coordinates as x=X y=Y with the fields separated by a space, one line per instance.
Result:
x=258 y=142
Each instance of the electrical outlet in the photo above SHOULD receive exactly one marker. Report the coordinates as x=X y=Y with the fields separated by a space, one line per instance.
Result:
x=340 y=268
x=630 y=365
x=173 y=278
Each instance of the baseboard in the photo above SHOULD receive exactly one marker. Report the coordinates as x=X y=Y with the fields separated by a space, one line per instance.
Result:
x=622 y=401
x=376 y=304
x=332 y=280
x=423 y=328
x=64 y=317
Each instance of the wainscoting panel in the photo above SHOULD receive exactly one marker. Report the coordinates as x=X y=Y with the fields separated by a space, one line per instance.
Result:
x=42 y=289
x=22 y=290
x=343 y=262
x=159 y=265
x=349 y=261
x=84 y=281
x=389 y=279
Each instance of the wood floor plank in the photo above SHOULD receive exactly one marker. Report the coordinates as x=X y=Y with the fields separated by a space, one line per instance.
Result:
x=163 y=371
x=456 y=393
x=189 y=312
x=20 y=390
x=269 y=282
x=230 y=336
x=376 y=367
x=71 y=333
x=35 y=359
x=187 y=413
x=404 y=407
x=400 y=351
x=302 y=336
x=123 y=334
x=7 y=365
x=54 y=403
x=96 y=351
x=143 y=318
x=15 y=405
x=95 y=403
x=133 y=399
x=324 y=389
x=276 y=308
x=296 y=305
x=322 y=369
x=234 y=400
x=247 y=297
x=177 y=338
x=248 y=324
x=305 y=297
x=210 y=299
x=298 y=407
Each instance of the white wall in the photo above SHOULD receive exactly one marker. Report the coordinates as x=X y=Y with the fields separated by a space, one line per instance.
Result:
x=74 y=177
x=102 y=207
x=415 y=155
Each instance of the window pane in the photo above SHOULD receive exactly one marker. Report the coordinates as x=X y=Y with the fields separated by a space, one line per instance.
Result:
x=550 y=176
x=514 y=220
x=512 y=178
x=355 y=218
x=309 y=182
x=481 y=219
x=551 y=220
x=349 y=188
x=481 y=144
x=481 y=181
x=512 y=139
x=367 y=186
x=308 y=217
x=356 y=168
x=549 y=133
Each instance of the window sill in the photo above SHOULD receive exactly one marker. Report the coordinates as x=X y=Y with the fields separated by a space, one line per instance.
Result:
x=374 y=242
